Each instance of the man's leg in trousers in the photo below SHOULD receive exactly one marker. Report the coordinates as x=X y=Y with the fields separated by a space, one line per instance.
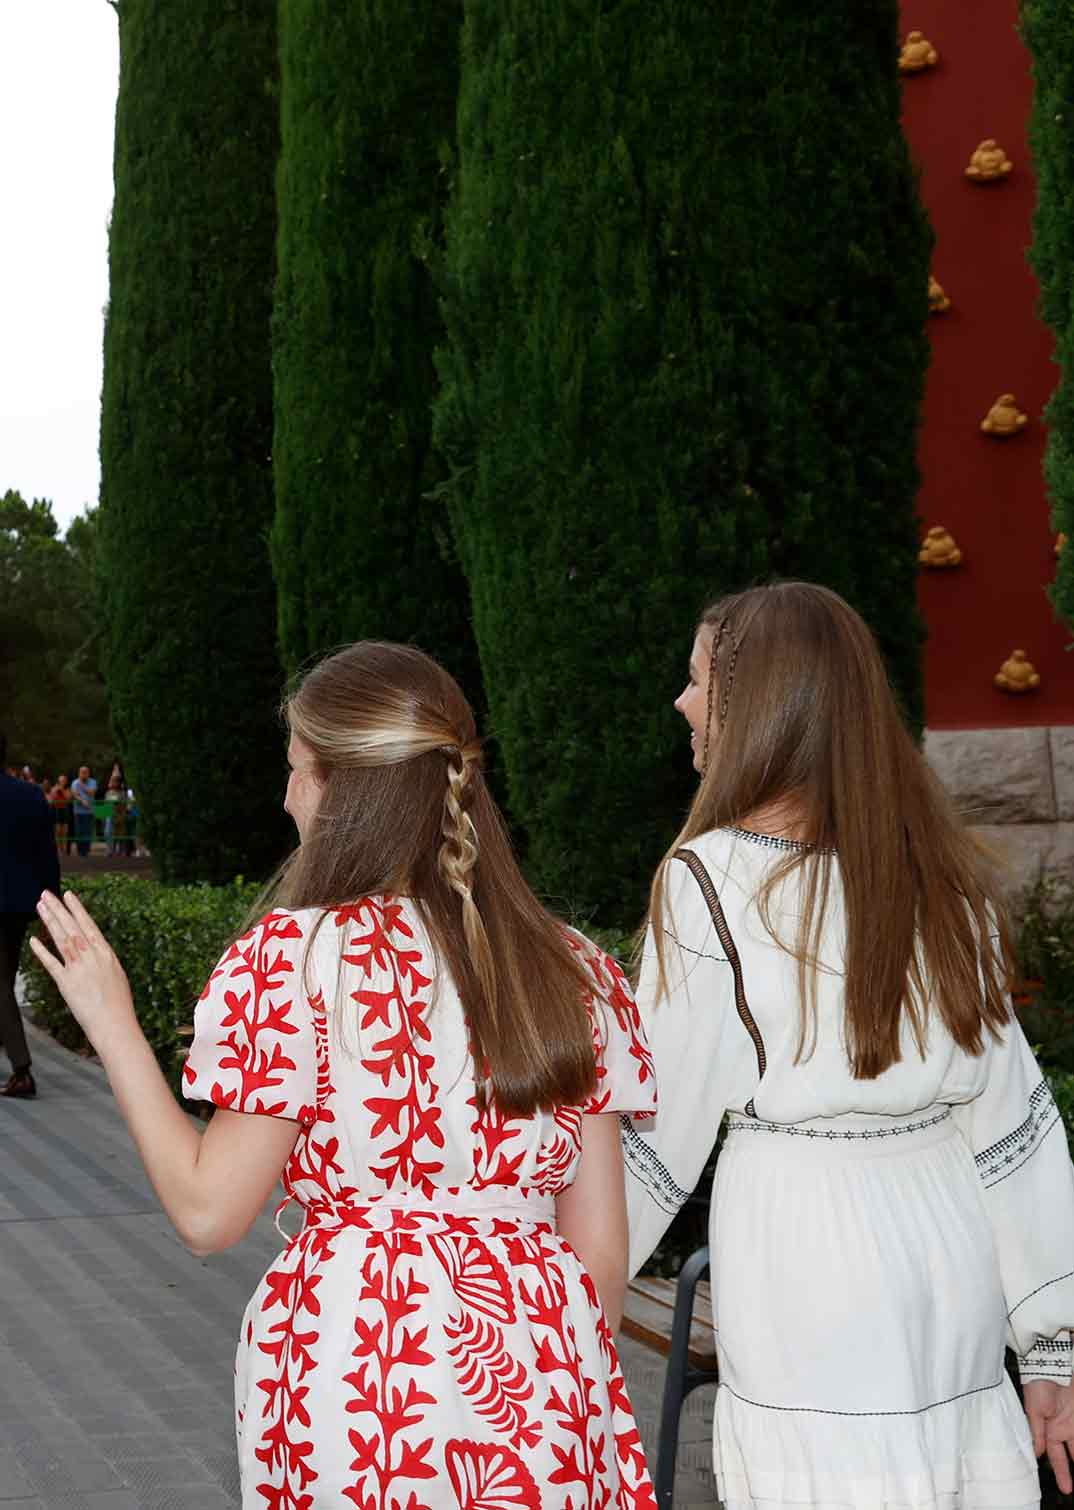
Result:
x=13 y=926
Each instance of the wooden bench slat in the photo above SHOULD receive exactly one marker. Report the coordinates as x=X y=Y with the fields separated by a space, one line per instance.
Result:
x=647 y=1317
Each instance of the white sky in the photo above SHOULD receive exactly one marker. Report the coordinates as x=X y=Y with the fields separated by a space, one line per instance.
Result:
x=59 y=71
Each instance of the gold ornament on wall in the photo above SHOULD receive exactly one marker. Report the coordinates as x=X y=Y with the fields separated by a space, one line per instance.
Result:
x=1004 y=418
x=989 y=162
x=1017 y=674
x=917 y=53
x=939 y=548
x=939 y=303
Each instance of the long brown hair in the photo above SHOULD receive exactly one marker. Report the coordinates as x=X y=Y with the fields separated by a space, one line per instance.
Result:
x=801 y=711
x=404 y=810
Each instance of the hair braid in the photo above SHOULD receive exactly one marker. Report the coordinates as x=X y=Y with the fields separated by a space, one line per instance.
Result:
x=457 y=858
x=710 y=690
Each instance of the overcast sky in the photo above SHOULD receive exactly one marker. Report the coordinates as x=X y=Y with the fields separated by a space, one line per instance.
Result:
x=59 y=69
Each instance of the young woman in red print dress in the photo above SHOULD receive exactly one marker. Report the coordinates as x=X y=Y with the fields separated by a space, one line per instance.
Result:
x=436 y=1068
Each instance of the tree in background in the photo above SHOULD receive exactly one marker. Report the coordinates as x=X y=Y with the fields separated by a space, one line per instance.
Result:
x=1048 y=27
x=367 y=111
x=55 y=712
x=685 y=297
x=186 y=435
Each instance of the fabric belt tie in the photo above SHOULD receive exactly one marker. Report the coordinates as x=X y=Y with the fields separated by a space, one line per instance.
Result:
x=469 y=1213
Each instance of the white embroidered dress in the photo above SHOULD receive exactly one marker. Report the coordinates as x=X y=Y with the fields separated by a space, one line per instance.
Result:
x=874 y=1244
x=425 y=1341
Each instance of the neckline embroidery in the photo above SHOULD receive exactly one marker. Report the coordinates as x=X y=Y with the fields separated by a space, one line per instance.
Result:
x=773 y=841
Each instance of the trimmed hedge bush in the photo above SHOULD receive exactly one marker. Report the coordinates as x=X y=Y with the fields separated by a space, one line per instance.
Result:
x=1048 y=28
x=368 y=113
x=168 y=939
x=685 y=293
x=186 y=436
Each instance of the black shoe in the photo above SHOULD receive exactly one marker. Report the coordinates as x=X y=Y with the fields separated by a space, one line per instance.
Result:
x=20 y=1084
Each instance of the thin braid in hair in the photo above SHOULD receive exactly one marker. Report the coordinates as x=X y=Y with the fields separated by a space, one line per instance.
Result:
x=716 y=638
x=458 y=857
x=729 y=678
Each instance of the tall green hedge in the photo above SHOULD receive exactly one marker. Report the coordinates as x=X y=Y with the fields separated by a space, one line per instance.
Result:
x=186 y=434
x=367 y=113
x=685 y=292
x=1048 y=26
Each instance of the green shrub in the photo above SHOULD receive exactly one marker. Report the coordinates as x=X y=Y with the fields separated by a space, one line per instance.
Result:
x=168 y=939
x=1048 y=27
x=367 y=118
x=1045 y=951
x=186 y=436
x=685 y=294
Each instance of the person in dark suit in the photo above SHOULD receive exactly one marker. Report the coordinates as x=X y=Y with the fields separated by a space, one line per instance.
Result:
x=28 y=866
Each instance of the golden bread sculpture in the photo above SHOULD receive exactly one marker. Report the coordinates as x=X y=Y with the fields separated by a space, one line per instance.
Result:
x=939 y=548
x=1004 y=418
x=917 y=53
x=939 y=303
x=989 y=162
x=1017 y=674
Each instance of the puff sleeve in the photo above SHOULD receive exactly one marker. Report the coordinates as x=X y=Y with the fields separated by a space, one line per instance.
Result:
x=254 y=1046
x=1018 y=1142
x=625 y=1079
x=665 y=1157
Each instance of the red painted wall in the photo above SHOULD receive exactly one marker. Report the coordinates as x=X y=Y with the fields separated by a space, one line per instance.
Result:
x=989 y=493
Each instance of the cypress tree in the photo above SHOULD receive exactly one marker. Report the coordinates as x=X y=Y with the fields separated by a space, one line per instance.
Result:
x=1048 y=26
x=186 y=434
x=685 y=291
x=367 y=117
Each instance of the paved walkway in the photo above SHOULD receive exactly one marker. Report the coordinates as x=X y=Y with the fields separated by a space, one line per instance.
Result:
x=116 y=1344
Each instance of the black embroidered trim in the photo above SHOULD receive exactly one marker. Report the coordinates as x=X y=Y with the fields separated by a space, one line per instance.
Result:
x=646 y=1166
x=1050 y=1357
x=1051 y=1345
x=1046 y=1285
x=813 y=1410
x=708 y=891
x=717 y=959
x=773 y=841
x=861 y=1134
x=1009 y=1153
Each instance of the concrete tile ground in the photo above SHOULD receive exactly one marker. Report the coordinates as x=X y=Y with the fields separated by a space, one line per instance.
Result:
x=116 y=1344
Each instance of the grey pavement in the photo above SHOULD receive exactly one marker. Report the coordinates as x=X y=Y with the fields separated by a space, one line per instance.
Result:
x=117 y=1345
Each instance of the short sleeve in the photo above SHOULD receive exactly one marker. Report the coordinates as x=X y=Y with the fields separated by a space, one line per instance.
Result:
x=626 y=1081
x=254 y=1046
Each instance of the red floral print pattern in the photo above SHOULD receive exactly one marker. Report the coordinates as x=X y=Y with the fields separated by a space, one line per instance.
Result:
x=426 y=1341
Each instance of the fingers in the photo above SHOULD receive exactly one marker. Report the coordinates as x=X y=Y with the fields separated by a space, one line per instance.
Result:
x=1059 y=1458
x=1036 y=1426
x=63 y=926
x=93 y=934
x=48 y=960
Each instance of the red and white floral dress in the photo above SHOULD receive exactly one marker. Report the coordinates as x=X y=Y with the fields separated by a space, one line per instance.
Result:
x=426 y=1339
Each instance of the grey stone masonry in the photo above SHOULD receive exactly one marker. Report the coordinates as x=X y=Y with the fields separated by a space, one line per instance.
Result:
x=1015 y=787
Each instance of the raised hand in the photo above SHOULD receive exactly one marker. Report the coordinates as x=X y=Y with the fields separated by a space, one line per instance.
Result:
x=87 y=972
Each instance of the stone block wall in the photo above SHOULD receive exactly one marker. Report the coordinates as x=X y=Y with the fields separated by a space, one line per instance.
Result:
x=1015 y=787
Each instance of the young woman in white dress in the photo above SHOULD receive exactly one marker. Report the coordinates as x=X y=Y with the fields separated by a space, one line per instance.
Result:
x=827 y=961
x=435 y=1067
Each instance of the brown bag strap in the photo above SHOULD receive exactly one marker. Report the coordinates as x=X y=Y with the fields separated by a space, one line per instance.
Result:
x=723 y=932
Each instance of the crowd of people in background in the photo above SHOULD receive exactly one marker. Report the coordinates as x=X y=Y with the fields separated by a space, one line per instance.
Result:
x=74 y=802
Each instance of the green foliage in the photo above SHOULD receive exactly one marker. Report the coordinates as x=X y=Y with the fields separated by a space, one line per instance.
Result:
x=168 y=939
x=186 y=434
x=1046 y=965
x=685 y=294
x=54 y=710
x=367 y=111
x=1048 y=28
